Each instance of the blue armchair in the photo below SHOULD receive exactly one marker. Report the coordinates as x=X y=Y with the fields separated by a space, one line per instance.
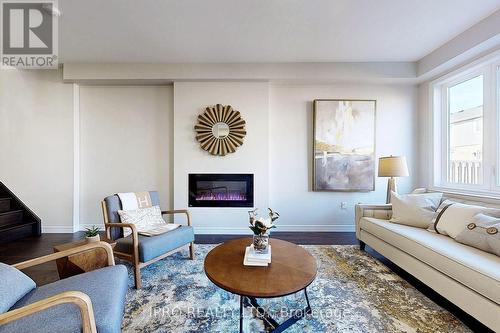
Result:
x=144 y=250
x=90 y=302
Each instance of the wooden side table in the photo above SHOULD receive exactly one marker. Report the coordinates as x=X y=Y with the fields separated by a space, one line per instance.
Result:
x=81 y=262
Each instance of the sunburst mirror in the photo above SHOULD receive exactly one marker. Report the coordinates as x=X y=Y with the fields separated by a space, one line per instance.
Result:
x=220 y=129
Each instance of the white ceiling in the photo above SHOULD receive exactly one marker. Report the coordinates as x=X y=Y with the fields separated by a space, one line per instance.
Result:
x=216 y=31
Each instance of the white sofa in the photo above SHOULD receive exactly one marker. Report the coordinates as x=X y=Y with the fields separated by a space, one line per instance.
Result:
x=468 y=277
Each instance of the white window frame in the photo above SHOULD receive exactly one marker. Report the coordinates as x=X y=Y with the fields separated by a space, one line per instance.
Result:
x=496 y=100
x=489 y=67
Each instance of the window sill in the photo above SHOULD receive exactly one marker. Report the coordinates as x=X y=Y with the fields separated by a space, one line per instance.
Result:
x=475 y=195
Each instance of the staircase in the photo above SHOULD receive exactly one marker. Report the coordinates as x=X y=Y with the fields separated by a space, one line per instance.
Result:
x=16 y=220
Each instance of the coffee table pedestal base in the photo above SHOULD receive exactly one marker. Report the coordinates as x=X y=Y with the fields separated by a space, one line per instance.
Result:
x=276 y=327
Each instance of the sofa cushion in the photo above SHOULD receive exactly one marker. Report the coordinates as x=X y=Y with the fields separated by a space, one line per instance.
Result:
x=152 y=247
x=14 y=285
x=106 y=288
x=478 y=270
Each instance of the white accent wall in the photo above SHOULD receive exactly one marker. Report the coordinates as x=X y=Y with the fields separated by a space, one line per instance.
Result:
x=135 y=138
x=125 y=144
x=291 y=150
x=252 y=100
x=278 y=149
x=36 y=143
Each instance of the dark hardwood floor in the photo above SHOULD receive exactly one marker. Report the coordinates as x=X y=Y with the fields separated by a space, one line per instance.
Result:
x=304 y=238
x=33 y=247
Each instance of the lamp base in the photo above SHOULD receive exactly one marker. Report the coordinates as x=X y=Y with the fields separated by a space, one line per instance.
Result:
x=391 y=187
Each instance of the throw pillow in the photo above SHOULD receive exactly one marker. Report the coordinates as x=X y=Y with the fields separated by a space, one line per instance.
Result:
x=416 y=210
x=483 y=233
x=439 y=211
x=453 y=217
x=15 y=285
x=145 y=219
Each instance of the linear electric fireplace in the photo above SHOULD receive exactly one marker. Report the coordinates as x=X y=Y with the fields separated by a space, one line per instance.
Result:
x=220 y=190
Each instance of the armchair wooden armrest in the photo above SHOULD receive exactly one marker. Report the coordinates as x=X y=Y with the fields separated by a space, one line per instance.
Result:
x=133 y=227
x=65 y=253
x=135 y=234
x=179 y=211
x=76 y=297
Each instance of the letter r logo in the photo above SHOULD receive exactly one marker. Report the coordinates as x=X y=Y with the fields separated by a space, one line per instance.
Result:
x=27 y=28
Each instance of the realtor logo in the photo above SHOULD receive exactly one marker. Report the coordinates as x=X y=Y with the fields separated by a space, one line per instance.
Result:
x=29 y=34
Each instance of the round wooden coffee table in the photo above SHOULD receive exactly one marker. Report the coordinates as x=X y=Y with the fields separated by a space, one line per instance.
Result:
x=292 y=269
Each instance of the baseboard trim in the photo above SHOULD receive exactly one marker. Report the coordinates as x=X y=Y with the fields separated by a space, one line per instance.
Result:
x=57 y=229
x=317 y=228
x=82 y=227
x=52 y=229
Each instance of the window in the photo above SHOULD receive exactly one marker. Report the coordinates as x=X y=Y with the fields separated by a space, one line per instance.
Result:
x=466 y=129
x=497 y=124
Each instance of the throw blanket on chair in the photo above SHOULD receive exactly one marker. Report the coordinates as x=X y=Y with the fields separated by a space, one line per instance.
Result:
x=135 y=200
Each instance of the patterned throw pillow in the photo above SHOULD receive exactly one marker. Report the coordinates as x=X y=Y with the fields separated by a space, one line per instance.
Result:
x=453 y=217
x=146 y=219
x=483 y=233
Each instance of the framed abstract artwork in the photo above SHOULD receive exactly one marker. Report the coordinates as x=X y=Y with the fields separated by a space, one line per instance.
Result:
x=344 y=145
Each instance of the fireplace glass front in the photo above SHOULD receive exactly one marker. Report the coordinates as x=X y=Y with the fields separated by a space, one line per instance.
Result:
x=220 y=190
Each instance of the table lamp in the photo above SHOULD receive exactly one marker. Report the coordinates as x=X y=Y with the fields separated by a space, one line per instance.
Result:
x=392 y=166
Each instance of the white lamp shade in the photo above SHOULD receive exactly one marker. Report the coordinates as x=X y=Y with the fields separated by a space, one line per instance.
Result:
x=392 y=166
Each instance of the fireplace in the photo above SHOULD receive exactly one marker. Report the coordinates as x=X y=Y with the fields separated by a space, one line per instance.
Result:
x=220 y=190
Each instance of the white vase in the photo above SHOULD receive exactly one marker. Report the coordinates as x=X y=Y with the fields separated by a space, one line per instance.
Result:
x=92 y=239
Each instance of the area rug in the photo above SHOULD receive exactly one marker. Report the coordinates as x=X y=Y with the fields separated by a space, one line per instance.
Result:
x=353 y=292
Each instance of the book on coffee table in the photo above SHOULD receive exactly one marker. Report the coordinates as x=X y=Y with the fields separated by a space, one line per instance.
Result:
x=253 y=258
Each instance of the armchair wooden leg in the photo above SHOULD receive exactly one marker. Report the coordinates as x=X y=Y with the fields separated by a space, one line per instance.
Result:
x=136 y=260
x=137 y=270
x=191 y=251
x=137 y=276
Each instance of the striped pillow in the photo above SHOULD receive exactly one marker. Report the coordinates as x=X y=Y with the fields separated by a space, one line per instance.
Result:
x=453 y=217
x=439 y=213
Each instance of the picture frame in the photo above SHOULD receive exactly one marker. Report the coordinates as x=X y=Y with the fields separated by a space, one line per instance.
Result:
x=343 y=154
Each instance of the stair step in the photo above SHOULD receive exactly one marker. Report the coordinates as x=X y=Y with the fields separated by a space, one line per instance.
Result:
x=11 y=217
x=16 y=225
x=5 y=204
x=16 y=219
x=17 y=231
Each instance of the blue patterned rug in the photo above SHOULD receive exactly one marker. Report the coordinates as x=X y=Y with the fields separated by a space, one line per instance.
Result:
x=353 y=292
